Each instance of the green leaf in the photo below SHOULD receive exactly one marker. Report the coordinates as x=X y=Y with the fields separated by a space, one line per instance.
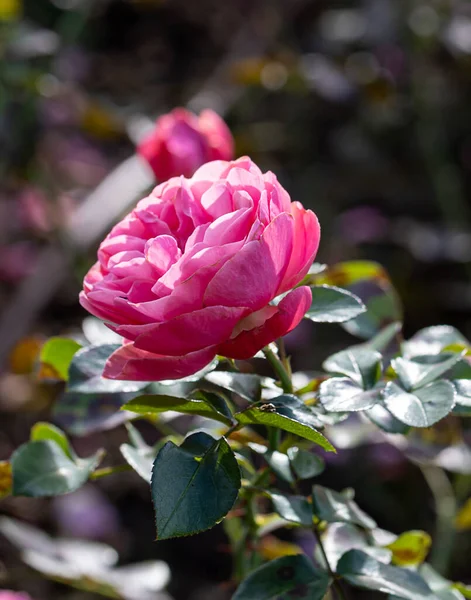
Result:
x=86 y=368
x=361 y=570
x=278 y=461
x=432 y=340
x=288 y=413
x=42 y=469
x=441 y=587
x=217 y=401
x=332 y=506
x=97 y=333
x=333 y=305
x=361 y=365
x=282 y=578
x=246 y=385
x=339 y=394
x=152 y=404
x=47 y=431
x=422 y=370
x=295 y=509
x=424 y=407
x=305 y=464
x=57 y=353
x=339 y=538
x=193 y=485
x=380 y=416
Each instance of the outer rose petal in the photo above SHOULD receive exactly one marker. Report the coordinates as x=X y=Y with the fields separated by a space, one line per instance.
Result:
x=290 y=312
x=186 y=333
x=131 y=364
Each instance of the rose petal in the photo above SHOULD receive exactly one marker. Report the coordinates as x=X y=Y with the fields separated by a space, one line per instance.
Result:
x=131 y=364
x=290 y=312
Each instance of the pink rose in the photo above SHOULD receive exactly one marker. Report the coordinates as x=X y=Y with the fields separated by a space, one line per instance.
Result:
x=181 y=142
x=9 y=595
x=192 y=271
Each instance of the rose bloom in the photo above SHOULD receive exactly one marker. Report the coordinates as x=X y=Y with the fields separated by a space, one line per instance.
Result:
x=181 y=142
x=193 y=270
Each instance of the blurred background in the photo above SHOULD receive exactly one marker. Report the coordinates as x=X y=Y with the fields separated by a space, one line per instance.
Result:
x=360 y=107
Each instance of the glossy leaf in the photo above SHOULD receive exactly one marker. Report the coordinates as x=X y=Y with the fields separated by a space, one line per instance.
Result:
x=361 y=365
x=432 y=340
x=385 y=420
x=56 y=355
x=339 y=394
x=246 y=385
x=417 y=373
x=288 y=413
x=295 y=509
x=339 y=538
x=424 y=407
x=463 y=392
x=410 y=548
x=153 y=404
x=304 y=463
x=361 y=570
x=332 y=507
x=193 y=485
x=333 y=305
x=289 y=576
x=43 y=469
x=441 y=587
x=138 y=454
x=85 y=373
x=386 y=340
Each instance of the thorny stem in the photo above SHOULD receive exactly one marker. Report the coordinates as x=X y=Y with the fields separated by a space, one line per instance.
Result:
x=336 y=583
x=280 y=370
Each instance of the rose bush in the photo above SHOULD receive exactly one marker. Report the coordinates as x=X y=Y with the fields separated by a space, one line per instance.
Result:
x=193 y=271
x=181 y=142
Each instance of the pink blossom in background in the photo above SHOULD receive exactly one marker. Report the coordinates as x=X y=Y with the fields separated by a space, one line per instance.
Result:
x=9 y=595
x=192 y=271
x=181 y=142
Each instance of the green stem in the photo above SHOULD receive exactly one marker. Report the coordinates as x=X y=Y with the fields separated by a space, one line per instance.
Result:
x=336 y=587
x=105 y=471
x=445 y=510
x=279 y=368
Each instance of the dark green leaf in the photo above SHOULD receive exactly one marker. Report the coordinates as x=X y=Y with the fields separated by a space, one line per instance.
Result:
x=156 y=404
x=284 y=578
x=463 y=392
x=424 y=407
x=339 y=394
x=217 y=401
x=385 y=338
x=333 y=305
x=85 y=373
x=295 y=509
x=278 y=461
x=332 y=506
x=361 y=365
x=246 y=385
x=305 y=464
x=361 y=570
x=441 y=587
x=193 y=485
x=288 y=413
x=386 y=421
x=57 y=353
x=42 y=469
x=422 y=370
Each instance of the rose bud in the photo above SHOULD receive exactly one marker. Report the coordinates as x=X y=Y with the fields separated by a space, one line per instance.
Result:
x=181 y=142
x=193 y=270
